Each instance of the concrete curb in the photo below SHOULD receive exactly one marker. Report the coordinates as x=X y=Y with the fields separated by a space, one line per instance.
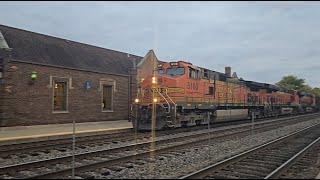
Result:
x=57 y=136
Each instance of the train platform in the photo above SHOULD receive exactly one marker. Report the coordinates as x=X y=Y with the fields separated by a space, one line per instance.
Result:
x=26 y=134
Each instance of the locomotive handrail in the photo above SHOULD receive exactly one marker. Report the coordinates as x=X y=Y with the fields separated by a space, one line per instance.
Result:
x=175 y=105
x=169 y=107
x=170 y=98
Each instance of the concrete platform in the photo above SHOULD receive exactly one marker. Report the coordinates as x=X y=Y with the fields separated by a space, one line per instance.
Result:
x=25 y=134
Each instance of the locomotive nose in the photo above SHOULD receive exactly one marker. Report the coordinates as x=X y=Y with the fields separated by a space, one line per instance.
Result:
x=165 y=81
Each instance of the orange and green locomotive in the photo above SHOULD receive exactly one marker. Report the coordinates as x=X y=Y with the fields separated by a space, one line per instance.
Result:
x=180 y=94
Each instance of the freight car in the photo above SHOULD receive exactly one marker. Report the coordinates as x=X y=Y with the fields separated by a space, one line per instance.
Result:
x=181 y=94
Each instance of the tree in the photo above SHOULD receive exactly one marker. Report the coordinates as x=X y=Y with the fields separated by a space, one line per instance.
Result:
x=292 y=82
x=316 y=91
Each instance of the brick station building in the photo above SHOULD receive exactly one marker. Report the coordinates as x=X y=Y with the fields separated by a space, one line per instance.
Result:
x=47 y=80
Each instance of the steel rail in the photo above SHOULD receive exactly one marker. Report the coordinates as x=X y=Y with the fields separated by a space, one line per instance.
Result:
x=134 y=156
x=6 y=150
x=277 y=172
x=264 y=124
x=204 y=171
x=65 y=142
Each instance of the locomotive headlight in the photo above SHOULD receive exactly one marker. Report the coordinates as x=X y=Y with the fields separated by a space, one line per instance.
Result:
x=154 y=80
x=155 y=100
x=136 y=100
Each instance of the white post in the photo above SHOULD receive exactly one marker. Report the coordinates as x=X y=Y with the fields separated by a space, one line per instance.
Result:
x=252 y=121
x=208 y=120
x=73 y=147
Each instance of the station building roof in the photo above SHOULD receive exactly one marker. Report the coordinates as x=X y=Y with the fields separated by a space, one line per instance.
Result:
x=43 y=49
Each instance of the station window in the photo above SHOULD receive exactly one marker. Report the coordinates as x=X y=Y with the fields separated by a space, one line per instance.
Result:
x=107 y=98
x=60 y=96
x=1 y=68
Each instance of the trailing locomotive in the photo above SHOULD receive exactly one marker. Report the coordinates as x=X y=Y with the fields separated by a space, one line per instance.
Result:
x=186 y=95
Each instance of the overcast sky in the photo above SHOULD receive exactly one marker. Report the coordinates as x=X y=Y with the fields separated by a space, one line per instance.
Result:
x=261 y=41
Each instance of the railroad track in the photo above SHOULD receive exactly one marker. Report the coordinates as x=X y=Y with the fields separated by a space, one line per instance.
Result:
x=307 y=164
x=266 y=161
x=98 y=140
x=59 y=167
x=113 y=138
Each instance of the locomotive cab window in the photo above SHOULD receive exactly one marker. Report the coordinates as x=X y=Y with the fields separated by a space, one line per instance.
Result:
x=60 y=96
x=205 y=74
x=211 y=91
x=161 y=71
x=107 y=98
x=193 y=74
x=179 y=71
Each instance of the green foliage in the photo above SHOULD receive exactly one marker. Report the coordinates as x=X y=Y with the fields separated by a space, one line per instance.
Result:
x=293 y=82
x=316 y=91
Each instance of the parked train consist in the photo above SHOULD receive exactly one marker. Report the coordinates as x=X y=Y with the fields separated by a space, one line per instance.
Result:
x=188 y=95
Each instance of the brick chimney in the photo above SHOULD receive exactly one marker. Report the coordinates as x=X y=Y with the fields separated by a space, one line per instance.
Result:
x=228 y=71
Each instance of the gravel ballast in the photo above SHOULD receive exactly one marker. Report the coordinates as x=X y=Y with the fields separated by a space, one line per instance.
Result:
x=195 y=158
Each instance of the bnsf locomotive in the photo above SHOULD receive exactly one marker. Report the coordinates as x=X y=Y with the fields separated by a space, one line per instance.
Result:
x=186 y=95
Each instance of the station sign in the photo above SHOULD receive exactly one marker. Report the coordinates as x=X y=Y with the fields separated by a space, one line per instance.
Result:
x=88 y=85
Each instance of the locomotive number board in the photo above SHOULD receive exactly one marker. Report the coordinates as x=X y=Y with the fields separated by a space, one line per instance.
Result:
x=172 y=90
